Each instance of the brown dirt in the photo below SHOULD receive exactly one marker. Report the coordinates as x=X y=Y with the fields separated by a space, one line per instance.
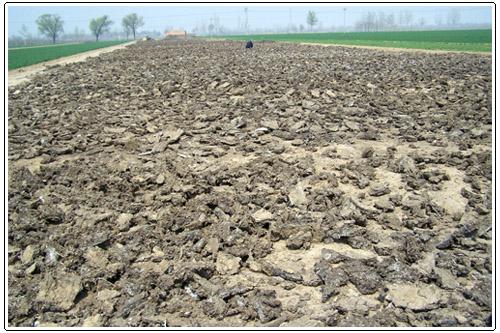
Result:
x=201 y=184
x=396 y=49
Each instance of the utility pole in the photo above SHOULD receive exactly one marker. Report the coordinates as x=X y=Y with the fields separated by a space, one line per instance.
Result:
x=344 y=18
x=246 y=20
x=289 y=19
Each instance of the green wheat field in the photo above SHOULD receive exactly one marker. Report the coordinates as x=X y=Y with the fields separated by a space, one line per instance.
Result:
x=20 y=57
x=449 y=40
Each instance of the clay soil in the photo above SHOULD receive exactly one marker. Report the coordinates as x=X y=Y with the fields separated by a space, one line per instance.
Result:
x=197 y=183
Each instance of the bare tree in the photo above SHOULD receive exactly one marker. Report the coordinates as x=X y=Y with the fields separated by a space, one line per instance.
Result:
x=131 y=23
x=78 y=34
x=368 y=22
x=401 y=19
x=126 y=29
x=100 y=25
x=380 y=21
x=50 y=25
x=217 y=26
x=421 y=22
x=25 y=34
x=438 y=19
x=376 y=22
x=246 y=20
x=408 y=16
x=202 y=27
x=211 y=28
x=390 y=21
x=453 y=17
x=311 y=19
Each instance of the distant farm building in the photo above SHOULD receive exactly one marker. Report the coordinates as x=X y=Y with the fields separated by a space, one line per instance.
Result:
x=176 y=33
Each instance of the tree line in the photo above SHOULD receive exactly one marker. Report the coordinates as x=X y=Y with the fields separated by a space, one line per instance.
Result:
x=52 y=26
x=369 y=21
x=380 y=21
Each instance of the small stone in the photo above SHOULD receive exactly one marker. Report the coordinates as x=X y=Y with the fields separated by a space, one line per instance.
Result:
x=214 y=307
x=93 y=321
x=160 y=179
x=173 y=135
x=107 y=294
x=266 y=305
x=441 y=102
x=261 y=130
x=330 y=93
x=460 y=319
x=60 y=291
x=365 y=278
x=351 y=125
x=332 y=256
x=384 y=205
x=332 y=277
x=297 y=196
x=271 y=124
x=151 y=129
x=406 y=165
x=446 y=279
x=379 y=190
x=33 y=269
x=273 y=270
x=212 y=245
x=96 y=257
x=262 y=215
x=238 y=122
x=51 y=256
x=28 y=254
x=308 y=104
x=254 y=266
x=476 y=132
x=227 y=264
x=446 y=243
x=300 y=240
x=278 y=149
x=315 y=93
x=123 y=221
x=419 y=297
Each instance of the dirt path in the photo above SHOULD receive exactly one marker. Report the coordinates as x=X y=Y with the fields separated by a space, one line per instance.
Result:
x=21 y=75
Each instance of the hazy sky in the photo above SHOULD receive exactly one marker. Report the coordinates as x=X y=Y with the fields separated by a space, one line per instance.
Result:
x=159 y=17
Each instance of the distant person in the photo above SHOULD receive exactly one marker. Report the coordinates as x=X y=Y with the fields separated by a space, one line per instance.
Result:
x=249 y=45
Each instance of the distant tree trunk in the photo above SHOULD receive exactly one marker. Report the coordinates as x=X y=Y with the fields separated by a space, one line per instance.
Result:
x=96 y=38
x=53 y=39
x=133 y=31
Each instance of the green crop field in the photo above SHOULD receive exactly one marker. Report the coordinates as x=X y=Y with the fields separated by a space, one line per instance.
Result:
x=451 y=40
x=20 y=57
